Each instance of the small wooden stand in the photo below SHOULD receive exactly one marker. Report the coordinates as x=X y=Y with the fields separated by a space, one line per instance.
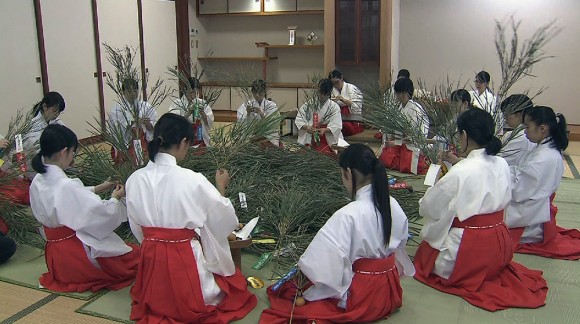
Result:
x=236 y=249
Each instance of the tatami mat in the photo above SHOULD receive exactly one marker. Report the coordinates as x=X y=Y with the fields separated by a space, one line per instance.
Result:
x=14 y=298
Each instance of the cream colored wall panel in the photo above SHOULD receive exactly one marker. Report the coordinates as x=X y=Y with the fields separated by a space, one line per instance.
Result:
x=160 y=43
x=70 y=56
x=118 y=26
x=223 y=102
x=302 y=96
x=213 y=6
x=279 y=5
x=237 y=99
x=238 y=6
x=285 y=98
x=19 y=61
x=310 y=5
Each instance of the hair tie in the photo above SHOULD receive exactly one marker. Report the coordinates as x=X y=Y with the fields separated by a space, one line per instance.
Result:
x=558 y=117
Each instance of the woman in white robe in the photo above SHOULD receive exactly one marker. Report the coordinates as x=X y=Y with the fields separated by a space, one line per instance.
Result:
x=350 y=100
x=401 y=156
x=186 y=272
x=483 y=98
x=259 y=108
x=319 y=123
x=531 y=216
x=355 y=260
x=466 y=248
x=45 y=112
x=131 y=119
x=515 y=144
x=187 y=105
x=82 y=250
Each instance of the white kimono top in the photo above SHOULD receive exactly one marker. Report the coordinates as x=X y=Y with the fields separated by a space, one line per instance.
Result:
x=57 y=200
x=182 y=106
x=352 y=93
x=328 y=114
x=163 y=194
x=533 y=181
x=487 y=101
x=353 y=232
x=478 y=184
x=268 y=107
x=515 y=148
x=414 y=112
x=31 y=139
x=122 y=117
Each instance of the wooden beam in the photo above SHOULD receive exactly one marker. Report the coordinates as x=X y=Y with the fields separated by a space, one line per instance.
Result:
x=385 y=45
x=41 y=48
x=100 y=75
x=142 y=50
x=329 y=35
x=182 y=29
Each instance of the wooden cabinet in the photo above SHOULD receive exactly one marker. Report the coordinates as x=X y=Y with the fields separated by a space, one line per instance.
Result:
x=244 y=6
x=302 y=5
x=212 y=7
x=259 y=7
x=279 y=5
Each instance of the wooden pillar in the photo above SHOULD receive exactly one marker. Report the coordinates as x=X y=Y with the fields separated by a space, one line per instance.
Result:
x=329 y=35
x=182 y=28
x=100 y=75
x=41 y=49
x=385 y=44
x=142 y=50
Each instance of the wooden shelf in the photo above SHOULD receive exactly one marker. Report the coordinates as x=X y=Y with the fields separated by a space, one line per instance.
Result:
x=270 y=84
x=272 y=13
x=265 y=45
x=217 y=58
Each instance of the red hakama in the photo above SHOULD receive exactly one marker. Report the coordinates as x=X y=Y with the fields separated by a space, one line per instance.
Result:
x=350 y=128
x=168 y=290
x=400 y=157
x=375 y=292
x=559 y=243
x=70 y=269
x=322 y=146
x=484 y=273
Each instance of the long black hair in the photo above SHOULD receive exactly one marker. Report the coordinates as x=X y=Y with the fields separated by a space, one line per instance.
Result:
x=54 y=138
x=361 y=158
x=479 y=127
x=404 y=85
x=461 y=95
x=555 y=121
x=169 y=130
x=51 y=99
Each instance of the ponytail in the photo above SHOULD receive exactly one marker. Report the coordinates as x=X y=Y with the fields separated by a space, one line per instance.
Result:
x=556 y=122
x=493 y=146
x=361 y=158
x=560 y=132
x=37 y=164
x=169 y=130
x=52 y=99
x=54 y=138
x=479 y=127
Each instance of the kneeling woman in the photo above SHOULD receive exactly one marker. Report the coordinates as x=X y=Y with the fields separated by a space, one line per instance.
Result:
x=531 y=215
x=183 y=276
x=82 y=251
x=355 y=260
x=466 y=248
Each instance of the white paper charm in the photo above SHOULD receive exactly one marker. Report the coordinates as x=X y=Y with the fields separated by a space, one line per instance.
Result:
x=243 y=202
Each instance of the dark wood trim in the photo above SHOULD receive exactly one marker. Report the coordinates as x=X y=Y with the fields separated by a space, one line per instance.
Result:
x=92 y=140
x=100 y=74
x=182 y=30
x=142 y=50
x=268 y=13
x=41 y=48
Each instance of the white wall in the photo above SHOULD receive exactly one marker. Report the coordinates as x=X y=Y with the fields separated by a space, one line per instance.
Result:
x=456 y=38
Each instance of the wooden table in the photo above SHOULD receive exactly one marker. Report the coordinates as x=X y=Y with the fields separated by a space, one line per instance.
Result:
x=236 y=249
x=291 y=115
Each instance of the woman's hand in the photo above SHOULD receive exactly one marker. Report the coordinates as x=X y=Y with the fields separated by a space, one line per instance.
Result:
x=222 y=180
x=447 y=156
x=4 y=143
x=119 y=192
x=106 y=186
